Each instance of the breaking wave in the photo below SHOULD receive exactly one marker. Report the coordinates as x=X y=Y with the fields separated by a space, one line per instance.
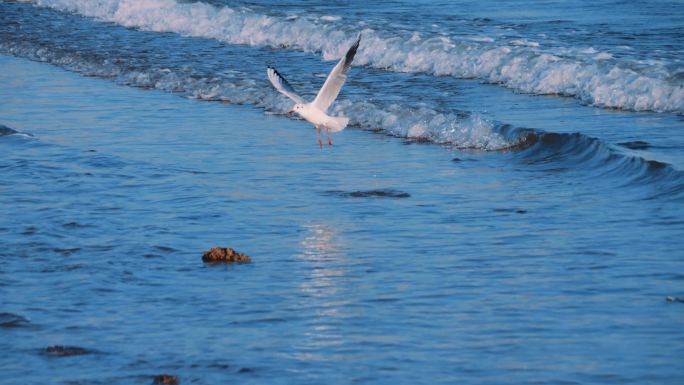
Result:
x=520 y=64
x=421 y=122
x=205 y=78
x=545 y=151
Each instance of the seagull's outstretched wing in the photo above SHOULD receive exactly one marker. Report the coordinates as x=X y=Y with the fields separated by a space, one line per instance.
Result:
x=282 y=85
x=333 y=84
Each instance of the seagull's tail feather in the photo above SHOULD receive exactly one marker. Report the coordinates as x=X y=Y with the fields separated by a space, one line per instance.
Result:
x=337 y=124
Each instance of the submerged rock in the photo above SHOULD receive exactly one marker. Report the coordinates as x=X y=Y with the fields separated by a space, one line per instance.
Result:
x=225 y=254
x=166 y=379
x=60 y=350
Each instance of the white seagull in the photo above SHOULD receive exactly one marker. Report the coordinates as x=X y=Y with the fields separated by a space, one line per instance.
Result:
x=316 y=112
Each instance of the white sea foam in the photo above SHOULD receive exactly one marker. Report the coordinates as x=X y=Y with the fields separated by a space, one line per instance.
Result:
x=424 y=123
x=521 y=66
x=330 y=18
x=483 y=39
x=525 y=42
x=603 y=56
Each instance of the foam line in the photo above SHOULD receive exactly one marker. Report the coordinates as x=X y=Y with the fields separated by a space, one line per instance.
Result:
x=519 y=64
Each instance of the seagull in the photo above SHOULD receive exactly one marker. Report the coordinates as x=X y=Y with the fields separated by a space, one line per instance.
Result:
x=316 y=112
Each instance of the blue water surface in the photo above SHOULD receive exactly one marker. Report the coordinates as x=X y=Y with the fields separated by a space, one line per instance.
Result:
x=460 y=231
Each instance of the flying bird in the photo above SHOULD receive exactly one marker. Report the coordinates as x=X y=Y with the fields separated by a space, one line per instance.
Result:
x=316 y=112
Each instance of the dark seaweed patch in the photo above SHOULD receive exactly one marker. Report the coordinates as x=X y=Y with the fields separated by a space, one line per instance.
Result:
x=64 y=351
x=510 y=210
x=387 y=193
x=73 y=225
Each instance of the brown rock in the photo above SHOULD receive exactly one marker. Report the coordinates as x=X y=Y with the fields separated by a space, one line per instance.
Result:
x=225 y=254
x=166 y=379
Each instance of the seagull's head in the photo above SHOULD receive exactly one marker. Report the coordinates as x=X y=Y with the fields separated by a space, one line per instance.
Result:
x=296 y=108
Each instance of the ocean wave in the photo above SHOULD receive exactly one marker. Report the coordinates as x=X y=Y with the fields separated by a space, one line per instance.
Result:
x=549 y=151
x=416 y=122
x=519 y=64
x=430 y=121
x=544 y=151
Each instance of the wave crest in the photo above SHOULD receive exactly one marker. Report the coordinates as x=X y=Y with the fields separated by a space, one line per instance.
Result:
x=462 y=130
x=519 y=64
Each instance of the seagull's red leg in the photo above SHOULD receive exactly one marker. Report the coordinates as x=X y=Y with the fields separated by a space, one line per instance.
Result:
x=327 y=133
x=320 y=142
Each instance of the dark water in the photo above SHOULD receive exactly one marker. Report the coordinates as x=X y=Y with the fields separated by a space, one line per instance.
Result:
x=481 y=236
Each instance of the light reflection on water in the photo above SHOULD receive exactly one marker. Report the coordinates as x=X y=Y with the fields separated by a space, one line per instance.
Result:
x=322 y=253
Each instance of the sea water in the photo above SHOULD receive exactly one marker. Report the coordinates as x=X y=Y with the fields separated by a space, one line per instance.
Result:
x=506 y=206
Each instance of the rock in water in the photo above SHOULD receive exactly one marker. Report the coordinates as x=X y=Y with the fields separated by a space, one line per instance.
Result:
x=224 y=254
x=166 y=379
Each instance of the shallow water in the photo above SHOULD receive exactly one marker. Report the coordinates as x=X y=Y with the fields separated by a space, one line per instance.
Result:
x=492 y=270
x=399 y=255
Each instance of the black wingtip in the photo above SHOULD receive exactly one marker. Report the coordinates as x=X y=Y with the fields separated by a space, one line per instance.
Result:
x=275 y=71
x=352 y=51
